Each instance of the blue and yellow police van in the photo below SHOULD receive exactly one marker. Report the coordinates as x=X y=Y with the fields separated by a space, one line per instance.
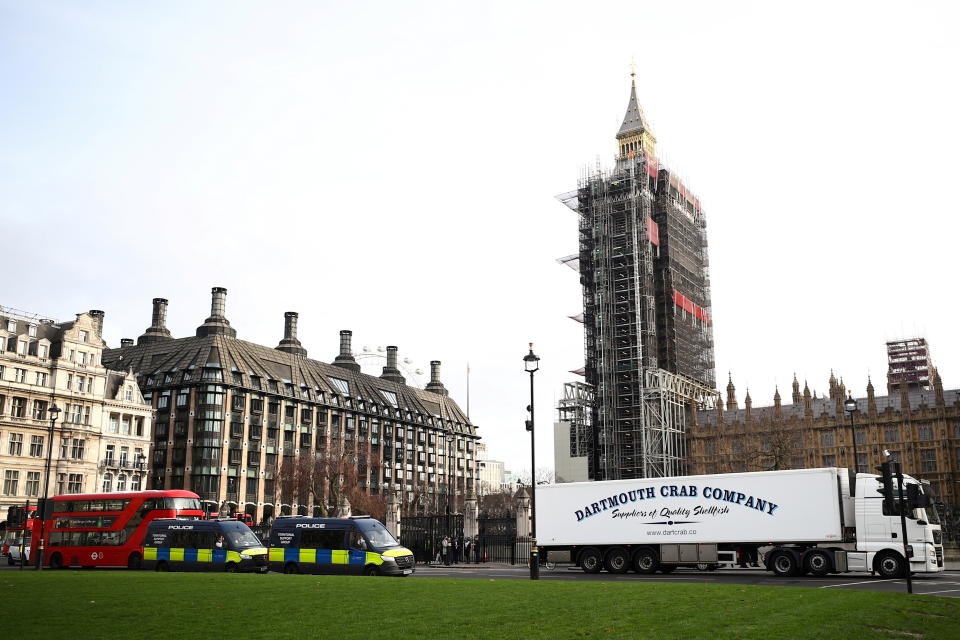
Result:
x=359 y=545
x=202 y=545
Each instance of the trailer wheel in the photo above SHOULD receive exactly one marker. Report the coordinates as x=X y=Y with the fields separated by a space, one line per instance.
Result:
x=818 y=562
x=645 y=561
x=890 y=565
x=591 y=560
x=784 y=564
x=617 y=560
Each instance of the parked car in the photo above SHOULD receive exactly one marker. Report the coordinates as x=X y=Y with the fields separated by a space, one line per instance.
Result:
x=13 y=556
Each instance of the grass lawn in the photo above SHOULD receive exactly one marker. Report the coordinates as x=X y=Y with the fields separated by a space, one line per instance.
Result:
x=81 y=605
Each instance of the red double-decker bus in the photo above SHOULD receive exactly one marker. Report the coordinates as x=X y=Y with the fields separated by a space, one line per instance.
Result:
x=106 y=529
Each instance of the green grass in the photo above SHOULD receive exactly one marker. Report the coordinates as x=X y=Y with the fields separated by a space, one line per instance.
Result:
x=117 y=604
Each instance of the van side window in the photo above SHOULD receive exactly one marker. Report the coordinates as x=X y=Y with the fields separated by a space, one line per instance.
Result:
x=357 y=541
x=321 y=540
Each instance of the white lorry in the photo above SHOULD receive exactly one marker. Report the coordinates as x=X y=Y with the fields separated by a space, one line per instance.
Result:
x=817 y=521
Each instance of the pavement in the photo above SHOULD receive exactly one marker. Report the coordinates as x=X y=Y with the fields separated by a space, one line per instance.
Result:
x=949 y=565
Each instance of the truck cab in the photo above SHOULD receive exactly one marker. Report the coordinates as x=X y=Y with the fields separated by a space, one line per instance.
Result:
x=879 y=535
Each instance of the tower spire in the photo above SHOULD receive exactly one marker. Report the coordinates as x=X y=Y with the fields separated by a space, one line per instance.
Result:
x=634 y=135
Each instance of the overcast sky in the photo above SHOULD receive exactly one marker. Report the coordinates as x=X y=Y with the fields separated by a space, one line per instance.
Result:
x=391 y=168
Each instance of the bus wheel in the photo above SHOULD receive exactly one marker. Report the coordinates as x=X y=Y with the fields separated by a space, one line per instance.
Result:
x=290 y=567
x=371 y=570
x=231 y=567
x=162 y=567
x=134 y=561
x=56 y=561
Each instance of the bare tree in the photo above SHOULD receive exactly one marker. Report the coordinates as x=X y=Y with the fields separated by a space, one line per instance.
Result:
x=328 y=476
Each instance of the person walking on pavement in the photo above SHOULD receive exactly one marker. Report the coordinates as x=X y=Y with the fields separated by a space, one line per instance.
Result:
x=467 y=544
x=445 y=545
x=476 y=549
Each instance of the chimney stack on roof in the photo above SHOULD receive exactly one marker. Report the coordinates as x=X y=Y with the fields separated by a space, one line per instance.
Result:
x=157 y=330
x=435 y=386
x=346 y=360
x=391 y=372
x=126 y=342
x=290 y=344
x=217 y=323
x=97 y=316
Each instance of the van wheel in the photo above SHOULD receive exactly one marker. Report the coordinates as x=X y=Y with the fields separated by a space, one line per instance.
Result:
x=162 y=567
x=290 y=567
x=371 y=570
x=645 y=561
x=231 y=567
x=617 y=560
x=890 y=565
x=817 y=562
x=134 y=561
x=591 y=561
x=56 y=561
x=10 y=561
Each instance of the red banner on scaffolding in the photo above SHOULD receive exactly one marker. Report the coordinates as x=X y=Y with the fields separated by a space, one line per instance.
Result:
x=651 y=162
x=653 y=231
x=690 y=307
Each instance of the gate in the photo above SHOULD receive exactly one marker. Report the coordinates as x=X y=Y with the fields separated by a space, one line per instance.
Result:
x=422 y=534
x=498 y=540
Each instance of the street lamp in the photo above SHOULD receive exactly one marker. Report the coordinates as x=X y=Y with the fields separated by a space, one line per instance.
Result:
x=449 y=442
x=850 y=406
x=530 y=366
x=54 y=414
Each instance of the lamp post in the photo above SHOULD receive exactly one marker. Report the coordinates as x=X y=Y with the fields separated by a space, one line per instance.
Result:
x=850 y=406
x=54 y=414
x=530 y=366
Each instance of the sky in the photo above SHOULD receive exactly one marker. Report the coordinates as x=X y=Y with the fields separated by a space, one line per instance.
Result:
x=391 y=168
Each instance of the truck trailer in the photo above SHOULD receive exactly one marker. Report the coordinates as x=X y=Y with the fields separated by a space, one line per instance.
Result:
x=808 y=521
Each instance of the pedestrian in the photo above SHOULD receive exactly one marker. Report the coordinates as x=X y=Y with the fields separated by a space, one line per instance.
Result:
x=467 y=544
x=445 y=544
x=476 y=549
x=438 y=558
x=456 y=550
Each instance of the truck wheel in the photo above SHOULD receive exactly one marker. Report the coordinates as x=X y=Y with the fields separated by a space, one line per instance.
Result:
x=645 y=561
x=617 y=560
x=818 y=562
x=890 y=565
x=784 y=564
x=591 y=561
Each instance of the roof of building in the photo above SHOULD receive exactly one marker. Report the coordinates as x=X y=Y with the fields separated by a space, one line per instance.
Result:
x=826 y=405
x=191 y=356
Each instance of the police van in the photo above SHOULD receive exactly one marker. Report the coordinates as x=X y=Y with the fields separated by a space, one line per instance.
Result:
x=359 y=545
x=202 y=545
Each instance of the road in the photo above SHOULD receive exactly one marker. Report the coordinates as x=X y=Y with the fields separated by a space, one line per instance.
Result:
x=946 y=584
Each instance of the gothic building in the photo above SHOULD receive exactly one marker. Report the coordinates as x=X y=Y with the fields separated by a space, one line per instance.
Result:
x=919 y=428
x=268 y=430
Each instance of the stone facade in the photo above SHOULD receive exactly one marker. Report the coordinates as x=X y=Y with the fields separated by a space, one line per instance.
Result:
x=921 y=429
x=43 y=363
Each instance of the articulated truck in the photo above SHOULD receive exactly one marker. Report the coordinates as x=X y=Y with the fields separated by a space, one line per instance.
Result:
x=807 y=521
